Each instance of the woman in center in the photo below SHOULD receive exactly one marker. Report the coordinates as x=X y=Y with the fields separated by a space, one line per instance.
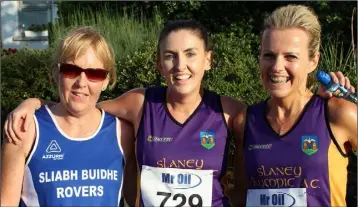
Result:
x=182 y=135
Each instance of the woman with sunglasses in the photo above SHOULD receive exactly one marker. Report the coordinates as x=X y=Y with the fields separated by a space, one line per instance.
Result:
x=182 y=130
x=73 y=153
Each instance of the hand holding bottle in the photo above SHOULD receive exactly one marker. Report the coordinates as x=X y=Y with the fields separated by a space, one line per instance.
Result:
x=336 y=89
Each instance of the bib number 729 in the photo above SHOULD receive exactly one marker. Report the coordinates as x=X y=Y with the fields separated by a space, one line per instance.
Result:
x=196 y=197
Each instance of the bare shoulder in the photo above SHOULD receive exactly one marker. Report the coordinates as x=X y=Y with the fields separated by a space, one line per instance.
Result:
x=127 y=106
x=342 y=118
x=136 y=93
x=231 y=105
x=341 y=111
x=133 y=100
x=240 y=117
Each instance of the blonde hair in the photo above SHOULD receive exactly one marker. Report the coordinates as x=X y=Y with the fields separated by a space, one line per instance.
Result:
x=297 y=16
x=76 y=43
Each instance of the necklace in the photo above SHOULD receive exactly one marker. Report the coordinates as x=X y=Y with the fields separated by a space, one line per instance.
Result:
x=280 y=131
x=282 y=124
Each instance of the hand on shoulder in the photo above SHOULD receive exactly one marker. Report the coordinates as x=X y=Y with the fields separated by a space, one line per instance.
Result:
x=27 y=138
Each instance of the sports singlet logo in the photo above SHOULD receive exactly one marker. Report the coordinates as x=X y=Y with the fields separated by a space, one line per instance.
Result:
x=52 y=151
x=53 y=147
x=151 y=138
x=309 y=144
x=259 y=147
x=207 y=139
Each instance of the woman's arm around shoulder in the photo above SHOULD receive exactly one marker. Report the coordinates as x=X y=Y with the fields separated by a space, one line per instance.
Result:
x=231 y=107
x=127 y=141
x=343 y=121
x=240 y=178
x=127 y=106
x=13 y=165
x=25 y=110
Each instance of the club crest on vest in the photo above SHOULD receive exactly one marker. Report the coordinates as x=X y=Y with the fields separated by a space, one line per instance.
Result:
x=207 y=139
x=309 y=144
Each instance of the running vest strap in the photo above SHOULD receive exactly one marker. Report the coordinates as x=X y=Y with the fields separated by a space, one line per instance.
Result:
x=182 y=163
x=305 y=166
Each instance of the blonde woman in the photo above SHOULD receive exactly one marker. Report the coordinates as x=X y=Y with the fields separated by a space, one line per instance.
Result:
x=73 y=153
x=292 y=147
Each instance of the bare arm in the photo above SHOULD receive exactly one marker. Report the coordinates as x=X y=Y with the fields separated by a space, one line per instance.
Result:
x=26 y=109
x=13 y=165
x=240 y=178
x=130 y=172
x=232 y=109
x=128 y=107
x=343 y=122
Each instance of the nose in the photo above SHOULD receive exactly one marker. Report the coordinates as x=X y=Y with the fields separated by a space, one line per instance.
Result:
x=180 y=62
x=81 y=80
x=278 y=64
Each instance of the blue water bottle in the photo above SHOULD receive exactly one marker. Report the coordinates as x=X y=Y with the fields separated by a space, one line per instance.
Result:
x=336 y=89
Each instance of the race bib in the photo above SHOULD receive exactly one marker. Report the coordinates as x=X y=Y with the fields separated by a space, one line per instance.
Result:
x=176 y=187
x=277 y=197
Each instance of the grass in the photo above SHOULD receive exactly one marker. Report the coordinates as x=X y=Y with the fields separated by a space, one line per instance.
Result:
x=124 y=32
x=334 y=58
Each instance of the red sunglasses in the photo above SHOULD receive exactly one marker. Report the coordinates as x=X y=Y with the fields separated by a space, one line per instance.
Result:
x=92 y=74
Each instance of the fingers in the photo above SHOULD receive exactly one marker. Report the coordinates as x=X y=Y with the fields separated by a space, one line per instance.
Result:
x=27 y=123
x=323 y=92
x=341 y=78
x=338 y=77
x=333 y=77
x=347 y=83
x=15 y=127
x=352 y=89
x=6 y=134
x=10 y=136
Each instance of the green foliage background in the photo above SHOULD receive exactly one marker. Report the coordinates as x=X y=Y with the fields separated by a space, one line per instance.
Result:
x=133 y=27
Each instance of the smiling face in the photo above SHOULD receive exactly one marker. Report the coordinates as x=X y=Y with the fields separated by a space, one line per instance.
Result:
x=285 y=62
x=183 y=61
x=79 y=95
